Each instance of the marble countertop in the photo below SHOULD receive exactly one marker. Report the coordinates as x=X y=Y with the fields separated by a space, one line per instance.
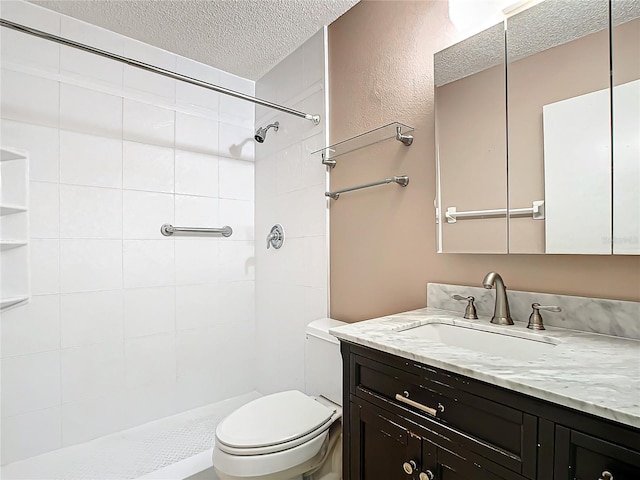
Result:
x=593 y=373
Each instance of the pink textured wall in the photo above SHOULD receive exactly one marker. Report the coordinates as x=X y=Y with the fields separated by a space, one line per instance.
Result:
x=383 y=240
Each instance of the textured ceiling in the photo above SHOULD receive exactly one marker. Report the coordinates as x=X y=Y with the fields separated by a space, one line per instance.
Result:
x=540 y=27
x=243 y=37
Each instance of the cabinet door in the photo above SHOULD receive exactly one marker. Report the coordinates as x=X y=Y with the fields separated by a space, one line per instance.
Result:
x=379 y=446
x=583 y=457
x=442 y=464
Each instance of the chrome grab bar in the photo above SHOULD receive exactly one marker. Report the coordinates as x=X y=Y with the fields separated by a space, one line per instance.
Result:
x=168 y=230
x=402 y=180
x=431 y=411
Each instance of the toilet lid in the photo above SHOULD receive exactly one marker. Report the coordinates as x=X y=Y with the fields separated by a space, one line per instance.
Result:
x=273 y=419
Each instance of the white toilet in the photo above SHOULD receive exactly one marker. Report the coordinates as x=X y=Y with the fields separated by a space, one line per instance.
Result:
x=288 y=435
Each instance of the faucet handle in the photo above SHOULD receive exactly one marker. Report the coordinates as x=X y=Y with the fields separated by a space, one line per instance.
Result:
x=535 y=319
x=470 y=311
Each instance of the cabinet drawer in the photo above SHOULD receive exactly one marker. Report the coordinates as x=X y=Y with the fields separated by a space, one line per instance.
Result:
x=504 y=434
x=584 y=457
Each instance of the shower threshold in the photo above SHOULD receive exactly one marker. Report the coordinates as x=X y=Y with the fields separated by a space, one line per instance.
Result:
x=176 y=447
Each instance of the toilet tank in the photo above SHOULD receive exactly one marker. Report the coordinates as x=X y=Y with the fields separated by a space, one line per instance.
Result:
x=323 y=363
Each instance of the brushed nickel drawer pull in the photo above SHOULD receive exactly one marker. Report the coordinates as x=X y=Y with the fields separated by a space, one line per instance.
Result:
x=431 y=411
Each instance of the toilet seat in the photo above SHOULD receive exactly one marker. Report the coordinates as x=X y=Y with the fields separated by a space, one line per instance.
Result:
x=274 y=423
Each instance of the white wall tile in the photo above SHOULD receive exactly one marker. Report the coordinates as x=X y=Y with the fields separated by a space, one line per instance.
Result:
x=150 y=402
x=237 y=356
x=90 y=318
x=236 y=179
x=148 y=167
x=94 y=417
x=88 y=265
x=198 y=389
x=92 y=35
x=267 y=89
x=197 y=306
x=31 y=328
x=196 y=351
x=266 y=176
x=237 y=261
x=198 y=98
x=148 y=311
x=196 y=261
x=239 y=214
x=310 y=145
x=41 y=143
x=78 y=64
x=19 y=440
x=29 y=99
x=88 y=111
x=44 y=204
x=311 y=272
x=150 y=359
x=233 y=110
x=290 y=190
x=90 y=160
x=196 y=174
x=237 y=141
x=297 y=171
x=289 y=75
x=32 y=15
x=30 y=382
x=297 y=131
x=197 y=211
x=149 y=83
x=196 y=134
x=90 y=212
x=45 y=266
x=313 y=60
x=148 y=263
x=304 y=212
x=85 y=65
x=148 y=123
x=145 y=212
x=237 y=304
x=92 y=371
x=25 y=50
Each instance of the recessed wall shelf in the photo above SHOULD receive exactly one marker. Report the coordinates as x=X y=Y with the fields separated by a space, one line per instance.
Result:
x=395 y=130
x=14 y=227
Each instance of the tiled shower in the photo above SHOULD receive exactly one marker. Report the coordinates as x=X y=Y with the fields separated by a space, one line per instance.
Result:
x=125 y=326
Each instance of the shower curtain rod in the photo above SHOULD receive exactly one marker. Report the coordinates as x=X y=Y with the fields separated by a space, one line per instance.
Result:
x=160 y=71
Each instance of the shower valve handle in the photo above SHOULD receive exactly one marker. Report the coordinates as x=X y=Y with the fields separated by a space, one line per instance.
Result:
x=275 y=238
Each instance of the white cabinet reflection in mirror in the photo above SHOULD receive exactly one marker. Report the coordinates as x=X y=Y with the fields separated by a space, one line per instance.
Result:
x=626 y=169
x=577 y=173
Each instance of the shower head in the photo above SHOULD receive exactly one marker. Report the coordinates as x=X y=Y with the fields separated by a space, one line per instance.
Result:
x=261 y=132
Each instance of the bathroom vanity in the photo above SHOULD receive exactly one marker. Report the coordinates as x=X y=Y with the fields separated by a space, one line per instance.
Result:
x=553 y=405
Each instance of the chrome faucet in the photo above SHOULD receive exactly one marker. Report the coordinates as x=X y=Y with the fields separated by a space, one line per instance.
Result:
x=501 y=314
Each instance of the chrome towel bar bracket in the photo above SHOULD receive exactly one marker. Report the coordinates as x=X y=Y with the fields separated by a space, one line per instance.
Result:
x=168 y=230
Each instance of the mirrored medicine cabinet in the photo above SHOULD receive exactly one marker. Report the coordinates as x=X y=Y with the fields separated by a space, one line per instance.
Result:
x=538 y=133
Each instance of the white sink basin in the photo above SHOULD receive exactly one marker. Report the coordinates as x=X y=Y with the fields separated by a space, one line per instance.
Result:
x=525 y=346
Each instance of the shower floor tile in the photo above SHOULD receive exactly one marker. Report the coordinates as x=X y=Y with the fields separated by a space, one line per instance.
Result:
x=133 y=453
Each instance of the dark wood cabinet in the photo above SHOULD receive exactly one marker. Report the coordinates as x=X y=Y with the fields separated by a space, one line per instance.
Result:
x=389 y=447
x=406 y=420
x=584 y=457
